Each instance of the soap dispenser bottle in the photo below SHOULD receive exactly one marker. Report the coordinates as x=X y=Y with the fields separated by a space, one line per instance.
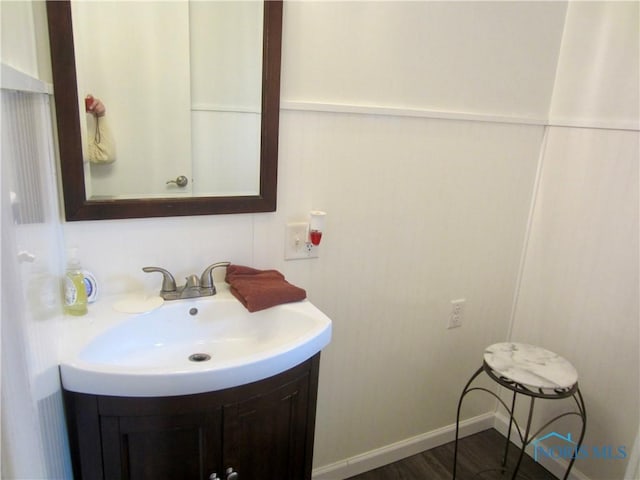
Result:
x=75 y=292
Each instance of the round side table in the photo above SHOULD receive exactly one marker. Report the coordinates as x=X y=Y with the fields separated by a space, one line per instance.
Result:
x=535 y=373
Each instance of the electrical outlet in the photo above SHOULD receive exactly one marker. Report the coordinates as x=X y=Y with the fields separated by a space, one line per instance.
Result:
x=297 y=245
x=456 y=314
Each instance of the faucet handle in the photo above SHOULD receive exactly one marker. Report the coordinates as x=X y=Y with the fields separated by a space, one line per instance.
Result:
x=168 y=282
x=206 y=279
x=192 y=281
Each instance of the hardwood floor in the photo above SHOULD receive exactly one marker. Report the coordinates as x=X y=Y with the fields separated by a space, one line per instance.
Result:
x=476 y=453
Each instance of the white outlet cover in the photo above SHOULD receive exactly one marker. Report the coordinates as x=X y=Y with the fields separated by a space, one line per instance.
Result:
x=456 y=314
x=296 y=245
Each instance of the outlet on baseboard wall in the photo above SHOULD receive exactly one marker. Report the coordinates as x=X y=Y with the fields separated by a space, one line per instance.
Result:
x=456 y=313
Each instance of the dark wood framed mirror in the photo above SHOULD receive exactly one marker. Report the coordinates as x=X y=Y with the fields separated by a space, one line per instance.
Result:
x=76 y=204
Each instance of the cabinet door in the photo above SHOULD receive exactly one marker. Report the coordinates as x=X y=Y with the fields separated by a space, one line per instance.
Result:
x=265 y=437
x=161 y=446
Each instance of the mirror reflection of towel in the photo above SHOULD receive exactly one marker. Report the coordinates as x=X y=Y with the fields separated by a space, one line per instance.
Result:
x=102 y=147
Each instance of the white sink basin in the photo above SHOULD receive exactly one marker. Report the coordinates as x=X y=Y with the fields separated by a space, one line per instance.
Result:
x=148 y=354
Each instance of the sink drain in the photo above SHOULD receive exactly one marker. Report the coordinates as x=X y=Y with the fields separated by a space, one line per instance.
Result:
x=199 y=357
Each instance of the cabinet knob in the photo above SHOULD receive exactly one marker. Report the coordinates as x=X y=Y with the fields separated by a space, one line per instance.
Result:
x=214 y=476
x=231 y=475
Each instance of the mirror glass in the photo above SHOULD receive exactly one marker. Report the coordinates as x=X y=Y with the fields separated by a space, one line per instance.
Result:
x=181 y=85
x=190 y=91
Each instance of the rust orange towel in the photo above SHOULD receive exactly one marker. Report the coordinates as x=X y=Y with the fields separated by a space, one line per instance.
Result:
x=260 y=289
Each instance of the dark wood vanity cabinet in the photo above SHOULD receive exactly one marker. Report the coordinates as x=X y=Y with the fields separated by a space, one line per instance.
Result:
x=263 y=431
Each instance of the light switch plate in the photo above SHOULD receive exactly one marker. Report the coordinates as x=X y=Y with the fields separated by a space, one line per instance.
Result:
x=296 y=244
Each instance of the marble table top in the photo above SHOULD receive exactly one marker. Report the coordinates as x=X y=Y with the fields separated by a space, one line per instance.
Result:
x=530 y=365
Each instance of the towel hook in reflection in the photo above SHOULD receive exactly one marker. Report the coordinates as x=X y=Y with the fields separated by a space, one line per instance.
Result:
x=181 y=181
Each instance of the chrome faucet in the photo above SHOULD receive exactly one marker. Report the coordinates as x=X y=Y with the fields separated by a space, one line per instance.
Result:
x=194 y=287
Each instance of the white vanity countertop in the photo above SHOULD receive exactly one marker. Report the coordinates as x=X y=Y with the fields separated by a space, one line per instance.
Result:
x=109 y=352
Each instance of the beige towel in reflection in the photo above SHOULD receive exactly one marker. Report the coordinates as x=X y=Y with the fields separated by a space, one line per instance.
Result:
x=102 y=147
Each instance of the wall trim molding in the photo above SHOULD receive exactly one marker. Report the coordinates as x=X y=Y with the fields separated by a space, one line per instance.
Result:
x=402 y=449
x=391 y=111
x=595 y=124
x=13 y=79
x=524 y=249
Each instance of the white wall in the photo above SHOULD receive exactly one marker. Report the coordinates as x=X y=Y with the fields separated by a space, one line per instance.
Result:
x=19 y=37
x=597 y=79
x=421 y=210
x=579 y=291
x=479 y=57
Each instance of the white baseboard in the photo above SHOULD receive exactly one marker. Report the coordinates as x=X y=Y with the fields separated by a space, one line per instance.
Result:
x=411 y=446
x=402 y=449
x=557 y=466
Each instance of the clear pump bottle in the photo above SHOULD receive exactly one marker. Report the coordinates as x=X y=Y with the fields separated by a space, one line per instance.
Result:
x=75 y=292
